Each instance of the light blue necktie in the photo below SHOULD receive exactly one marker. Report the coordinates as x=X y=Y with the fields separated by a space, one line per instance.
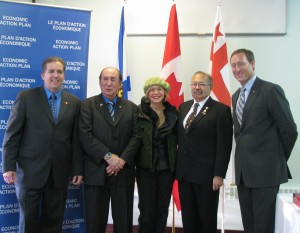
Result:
x=111 y=108
x=240 y=105
x=53 y=99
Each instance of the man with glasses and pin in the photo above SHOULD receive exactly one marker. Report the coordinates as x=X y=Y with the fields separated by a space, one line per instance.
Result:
x=204 y=147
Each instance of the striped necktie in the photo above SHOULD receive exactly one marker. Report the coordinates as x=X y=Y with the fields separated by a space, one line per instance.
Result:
x=240 y=105
x=53 y=99
x=191 y=117
x=111 y=108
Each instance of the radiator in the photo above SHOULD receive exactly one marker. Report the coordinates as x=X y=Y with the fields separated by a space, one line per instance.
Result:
x=231 y=191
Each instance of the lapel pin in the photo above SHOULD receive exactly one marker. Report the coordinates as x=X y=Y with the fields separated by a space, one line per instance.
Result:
x=101 y=105
x=205 y=111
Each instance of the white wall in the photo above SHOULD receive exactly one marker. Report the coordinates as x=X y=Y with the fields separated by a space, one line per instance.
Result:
x=277 y=60
x=277 y=57
x=195 y=16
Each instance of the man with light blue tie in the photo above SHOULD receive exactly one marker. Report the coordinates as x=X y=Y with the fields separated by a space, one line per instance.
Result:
x=109 y=135
x=265 y=134
x=41 y=151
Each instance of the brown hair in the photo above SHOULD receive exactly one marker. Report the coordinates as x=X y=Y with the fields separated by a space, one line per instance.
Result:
x=52 y=59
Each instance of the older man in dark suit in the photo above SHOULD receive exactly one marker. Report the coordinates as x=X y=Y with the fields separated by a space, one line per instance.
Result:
x=109 y=134
x=41 y=148
x=265 y=134
x=204 y=147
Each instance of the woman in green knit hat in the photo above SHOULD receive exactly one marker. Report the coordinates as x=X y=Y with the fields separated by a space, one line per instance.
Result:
x=156 y=160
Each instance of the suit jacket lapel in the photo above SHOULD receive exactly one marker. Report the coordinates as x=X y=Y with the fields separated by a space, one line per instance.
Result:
x=203 y=111
x=234 y=102
x=120 y=110
x=251 y=99
x=64 y=103
x=103 y=109
x=45 y=104
x=186 y=108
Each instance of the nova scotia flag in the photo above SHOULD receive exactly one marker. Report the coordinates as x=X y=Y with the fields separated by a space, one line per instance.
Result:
x=122 y=57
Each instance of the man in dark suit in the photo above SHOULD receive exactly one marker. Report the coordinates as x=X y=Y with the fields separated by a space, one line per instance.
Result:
x=204 y=147
x=41 y=150
x=110 y=138
x=265 y=134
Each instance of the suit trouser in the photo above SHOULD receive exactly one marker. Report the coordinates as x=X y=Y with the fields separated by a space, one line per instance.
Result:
x=258 y=207
x=97 y=199
x=155 y=189
x=41 y=209
x=199 y=207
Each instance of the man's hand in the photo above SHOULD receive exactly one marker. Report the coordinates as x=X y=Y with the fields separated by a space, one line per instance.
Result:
x=115 y=164
x=217 y=182
x=10 y=177
x=77 y=180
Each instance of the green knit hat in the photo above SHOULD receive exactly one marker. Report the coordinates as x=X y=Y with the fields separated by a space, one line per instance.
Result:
x=156 y=81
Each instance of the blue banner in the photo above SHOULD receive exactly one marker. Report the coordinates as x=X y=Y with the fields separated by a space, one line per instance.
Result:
x=28 y=34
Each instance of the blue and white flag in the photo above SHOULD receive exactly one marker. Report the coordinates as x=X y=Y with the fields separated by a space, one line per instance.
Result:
x=122 y=57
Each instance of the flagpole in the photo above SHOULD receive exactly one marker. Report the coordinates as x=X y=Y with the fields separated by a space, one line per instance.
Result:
x=173 y=212
x=173 y=218
x=173 y=207
x=171 y=73
x=223 y=187
x=219 y=61
x=223 y=207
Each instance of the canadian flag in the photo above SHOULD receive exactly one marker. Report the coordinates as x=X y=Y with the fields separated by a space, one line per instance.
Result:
x=171 y=67
x=171 y=72
x=219 y=62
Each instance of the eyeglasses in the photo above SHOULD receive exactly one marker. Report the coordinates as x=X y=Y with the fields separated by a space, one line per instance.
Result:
x=199 y=85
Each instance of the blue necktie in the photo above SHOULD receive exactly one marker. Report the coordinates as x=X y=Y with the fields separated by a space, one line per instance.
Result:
x=111 y=108
x=53 y=106
x=240 y=105
x=191 y=117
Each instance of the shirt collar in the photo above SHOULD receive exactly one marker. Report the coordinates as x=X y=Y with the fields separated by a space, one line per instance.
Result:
x=49 y=93
x=108 y=100
x=201 y=103
x=249 y=84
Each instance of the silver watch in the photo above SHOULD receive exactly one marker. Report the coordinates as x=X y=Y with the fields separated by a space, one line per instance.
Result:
x=107 y=156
